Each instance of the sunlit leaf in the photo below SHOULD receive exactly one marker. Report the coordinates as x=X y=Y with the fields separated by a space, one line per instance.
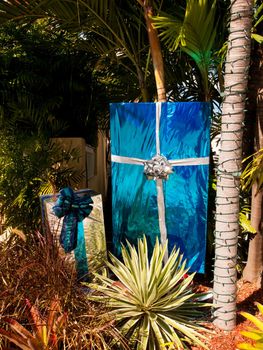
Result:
x=257 y=37
x=255 y=334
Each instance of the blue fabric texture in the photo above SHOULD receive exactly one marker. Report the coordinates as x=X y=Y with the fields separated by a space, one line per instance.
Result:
x=184 y=133
x=74 y=209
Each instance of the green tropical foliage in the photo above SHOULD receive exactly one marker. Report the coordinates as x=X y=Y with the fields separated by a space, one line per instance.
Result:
x=244 y=220
x=258 y=18
x=46 y=84
x=253 y=173
x=254 y=334
x=153 y=303
x=194 y=34
x=117 y=34
x=45 y=91
x=29 y=167
x=106 y=28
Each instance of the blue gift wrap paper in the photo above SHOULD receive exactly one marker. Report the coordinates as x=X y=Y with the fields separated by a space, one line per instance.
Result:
x=180 y=132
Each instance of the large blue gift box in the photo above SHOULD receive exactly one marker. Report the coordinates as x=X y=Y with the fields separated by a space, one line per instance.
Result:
x=160 y=169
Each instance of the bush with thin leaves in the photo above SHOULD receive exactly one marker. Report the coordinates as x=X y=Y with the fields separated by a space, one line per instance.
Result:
x=29 y=167
x=33 y=268
x=152 y=301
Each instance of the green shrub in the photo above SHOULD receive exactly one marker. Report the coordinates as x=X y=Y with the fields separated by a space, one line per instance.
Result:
x=29 y=167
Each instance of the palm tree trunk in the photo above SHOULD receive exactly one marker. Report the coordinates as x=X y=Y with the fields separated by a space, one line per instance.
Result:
x=229 y=166
x=155 y=52
x=254 y=267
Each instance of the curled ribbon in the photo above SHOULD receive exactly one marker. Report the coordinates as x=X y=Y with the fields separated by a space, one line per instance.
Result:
x=74 y=209
x=158 y=167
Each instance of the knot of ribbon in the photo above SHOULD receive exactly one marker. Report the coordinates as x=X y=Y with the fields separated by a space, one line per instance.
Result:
x=74 y=209
x=157 y=167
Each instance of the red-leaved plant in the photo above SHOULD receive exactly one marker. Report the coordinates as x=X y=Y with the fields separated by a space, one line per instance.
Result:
x=46 y=331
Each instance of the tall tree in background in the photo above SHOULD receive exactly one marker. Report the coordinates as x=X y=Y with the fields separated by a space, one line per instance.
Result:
x=118 y=33
x=155 y=48
x=251 y=177
x=229 y=168
x=44 y=90
x=46 y=84
x=254 y=267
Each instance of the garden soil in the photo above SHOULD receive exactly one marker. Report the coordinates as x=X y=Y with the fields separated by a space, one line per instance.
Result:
x=247 y=295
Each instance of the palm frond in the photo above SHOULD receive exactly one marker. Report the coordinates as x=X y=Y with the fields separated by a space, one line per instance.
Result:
x=253 y=172
x=105 y=26
x=195 y=34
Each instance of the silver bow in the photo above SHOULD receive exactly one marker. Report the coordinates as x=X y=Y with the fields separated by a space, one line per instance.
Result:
x=157 y=168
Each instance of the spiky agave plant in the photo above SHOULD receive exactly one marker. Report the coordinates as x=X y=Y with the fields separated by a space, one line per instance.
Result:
x=153 y=303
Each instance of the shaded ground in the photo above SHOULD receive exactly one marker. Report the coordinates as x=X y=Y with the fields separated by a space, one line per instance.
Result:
x=247 y=295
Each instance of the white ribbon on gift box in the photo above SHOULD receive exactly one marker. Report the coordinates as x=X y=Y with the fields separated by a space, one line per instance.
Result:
x=159 y=181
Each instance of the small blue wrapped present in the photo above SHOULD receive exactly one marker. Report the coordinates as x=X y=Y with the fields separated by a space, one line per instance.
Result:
x=160 y=169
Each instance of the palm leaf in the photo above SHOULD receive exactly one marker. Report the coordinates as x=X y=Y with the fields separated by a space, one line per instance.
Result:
x=253 y=173
x=253 y=319
x=245 y=223
x=258 y=14
x=257 y=37
x=106 y=27
x=255 y=334
x=195 y=34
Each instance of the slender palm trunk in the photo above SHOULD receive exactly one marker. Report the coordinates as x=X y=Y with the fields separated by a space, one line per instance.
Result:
x=254 y=267
x=156 y=53
x=229 y=168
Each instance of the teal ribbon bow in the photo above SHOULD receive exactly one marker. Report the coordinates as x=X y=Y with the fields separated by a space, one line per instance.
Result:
x=74 y=209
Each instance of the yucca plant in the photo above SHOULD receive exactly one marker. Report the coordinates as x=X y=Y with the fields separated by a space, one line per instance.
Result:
x=255 y=334
x=153 y=302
